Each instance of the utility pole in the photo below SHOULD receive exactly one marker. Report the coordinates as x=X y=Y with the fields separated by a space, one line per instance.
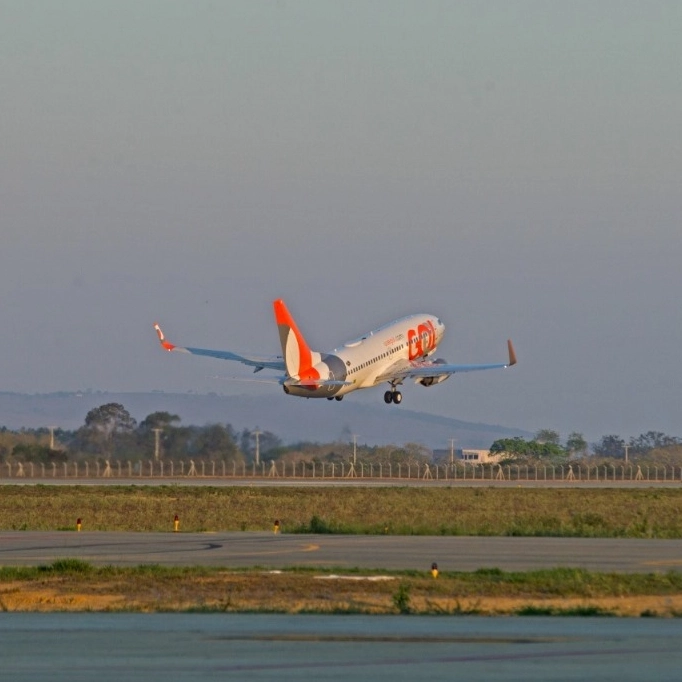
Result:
x=627 y=447
x=157 y=433
x=355 y=448
x=452 y=450
x=52 y=428
x=257 y=434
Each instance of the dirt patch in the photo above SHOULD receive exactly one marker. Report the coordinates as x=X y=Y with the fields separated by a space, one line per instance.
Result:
x=47 y=599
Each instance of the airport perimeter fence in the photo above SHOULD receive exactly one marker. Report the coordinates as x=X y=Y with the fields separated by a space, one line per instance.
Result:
x=458 y=472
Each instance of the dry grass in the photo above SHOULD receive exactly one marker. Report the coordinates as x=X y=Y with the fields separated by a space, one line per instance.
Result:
x=155 y=589
x=648 y=513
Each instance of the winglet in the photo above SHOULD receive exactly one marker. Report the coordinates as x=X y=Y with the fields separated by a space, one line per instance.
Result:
x=512 y=354
x=162 y=339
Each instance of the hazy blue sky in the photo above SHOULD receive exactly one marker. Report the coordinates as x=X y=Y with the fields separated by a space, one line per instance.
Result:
x=513 y=167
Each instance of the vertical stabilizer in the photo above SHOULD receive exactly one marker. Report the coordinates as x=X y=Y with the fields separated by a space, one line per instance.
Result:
x=298 y=358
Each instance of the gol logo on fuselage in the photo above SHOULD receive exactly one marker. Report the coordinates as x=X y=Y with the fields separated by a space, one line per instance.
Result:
x=422 y=340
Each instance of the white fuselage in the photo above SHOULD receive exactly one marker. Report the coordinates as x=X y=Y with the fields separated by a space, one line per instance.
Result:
x=362 y=362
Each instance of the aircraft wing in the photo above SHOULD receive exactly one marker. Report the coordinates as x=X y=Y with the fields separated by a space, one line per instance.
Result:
x=420 y=369
x=275 y=362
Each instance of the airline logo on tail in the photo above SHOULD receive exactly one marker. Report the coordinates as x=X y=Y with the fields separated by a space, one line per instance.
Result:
x=299 y=360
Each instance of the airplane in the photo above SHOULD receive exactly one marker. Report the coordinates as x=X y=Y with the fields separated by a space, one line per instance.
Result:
x=393 y=353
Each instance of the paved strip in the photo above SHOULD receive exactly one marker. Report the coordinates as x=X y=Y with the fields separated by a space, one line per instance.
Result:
x=188 y=647
x=241 y=550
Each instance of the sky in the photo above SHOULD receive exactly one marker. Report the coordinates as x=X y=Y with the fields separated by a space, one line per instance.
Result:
x=512 y=167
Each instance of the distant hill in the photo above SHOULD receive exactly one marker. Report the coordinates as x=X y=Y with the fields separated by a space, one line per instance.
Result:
x=291 y=420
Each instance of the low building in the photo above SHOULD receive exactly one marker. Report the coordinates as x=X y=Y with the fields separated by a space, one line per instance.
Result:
x=467 y=456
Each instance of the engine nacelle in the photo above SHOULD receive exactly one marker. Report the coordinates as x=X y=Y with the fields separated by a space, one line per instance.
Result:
x=436 y=378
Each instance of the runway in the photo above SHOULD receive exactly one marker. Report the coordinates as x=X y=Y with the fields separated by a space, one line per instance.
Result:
x=250 y=549
x=184 y=647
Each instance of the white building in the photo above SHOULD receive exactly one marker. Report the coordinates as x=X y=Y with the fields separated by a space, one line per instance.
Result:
x=467 y=456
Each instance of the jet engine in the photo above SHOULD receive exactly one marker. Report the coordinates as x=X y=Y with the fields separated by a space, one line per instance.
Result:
x=436 y=378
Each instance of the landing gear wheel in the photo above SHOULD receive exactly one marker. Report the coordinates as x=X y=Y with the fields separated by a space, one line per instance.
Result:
x=388 y=397
x=330 y=398
x=338 y=397
x=397 y=397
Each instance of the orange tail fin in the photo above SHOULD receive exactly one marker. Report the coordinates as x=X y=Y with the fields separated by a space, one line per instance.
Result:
x=298 y=358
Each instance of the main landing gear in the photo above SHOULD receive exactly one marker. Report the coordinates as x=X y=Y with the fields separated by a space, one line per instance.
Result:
x=335 y=397
x=393 y=397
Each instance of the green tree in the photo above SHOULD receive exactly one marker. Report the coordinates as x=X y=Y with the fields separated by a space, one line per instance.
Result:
x=40 y=454
x=518 y=448
x=109 y=429
x=610 y=446
x=158 y=420
x=576 y=444
x=547 y=436
x=652 y=440
x=109 y=419
x=215 y=441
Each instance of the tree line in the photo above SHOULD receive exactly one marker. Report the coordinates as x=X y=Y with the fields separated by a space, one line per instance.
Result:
x=546 y=445
x=110 y=433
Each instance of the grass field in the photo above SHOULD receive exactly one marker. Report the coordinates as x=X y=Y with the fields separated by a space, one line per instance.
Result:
x=72 y=585
x=602 y=512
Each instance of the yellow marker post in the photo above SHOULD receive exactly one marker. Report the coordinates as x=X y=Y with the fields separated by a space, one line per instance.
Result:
x=275 y=528
x=176 y=524
x=434 y=569
x=78 y=525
